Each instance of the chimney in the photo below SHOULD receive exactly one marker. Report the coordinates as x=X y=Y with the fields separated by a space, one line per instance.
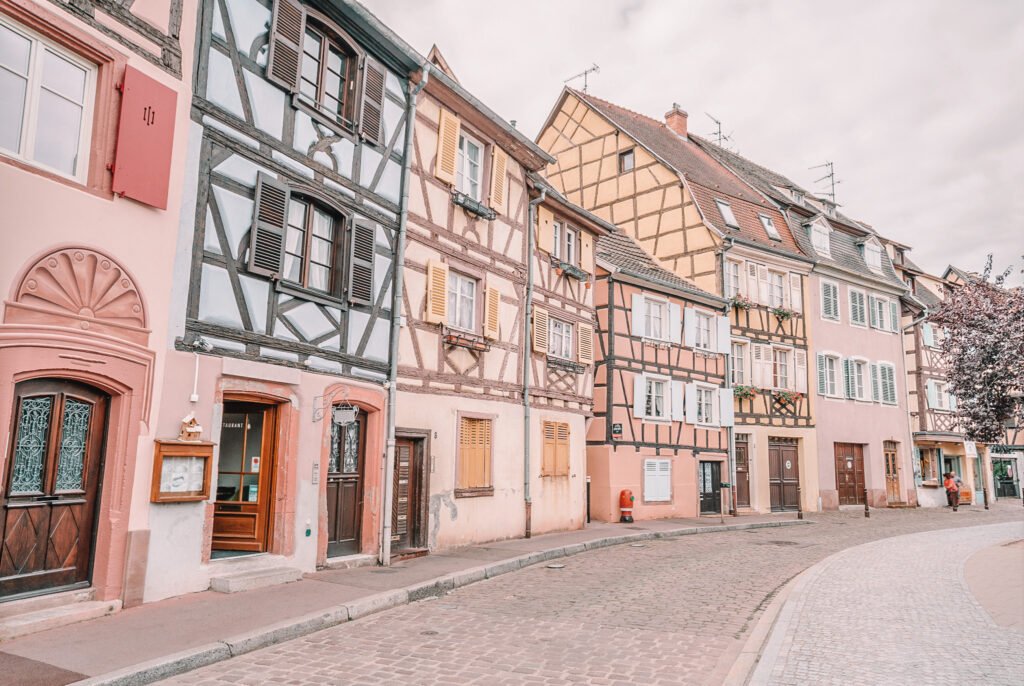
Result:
x=675 y=119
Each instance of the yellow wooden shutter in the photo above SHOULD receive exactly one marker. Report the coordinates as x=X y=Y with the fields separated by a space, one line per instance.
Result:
x=548 y=461
x=540 y=330
x=499 y=165
x=562 y=449
x=447 y=146
x=437 y=292
x=545 y=229
x=474 y=453
x=585 y=343
x=586 y=252
x=492 y=313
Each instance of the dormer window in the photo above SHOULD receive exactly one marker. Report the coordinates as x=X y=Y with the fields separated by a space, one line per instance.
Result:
x=821 y=239
x=798 y=197
x=326 y=77
x=873 y=257
x=830 y=209
x=727 y=215
x=769 y=227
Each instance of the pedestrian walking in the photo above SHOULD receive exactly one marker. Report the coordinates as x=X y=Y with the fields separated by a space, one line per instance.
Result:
x=952 y=490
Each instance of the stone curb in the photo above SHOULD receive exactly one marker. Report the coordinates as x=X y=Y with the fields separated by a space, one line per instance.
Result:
x=210 y=653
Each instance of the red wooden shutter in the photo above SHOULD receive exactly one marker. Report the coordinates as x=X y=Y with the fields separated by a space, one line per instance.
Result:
x=372 y=116
x=360 y=268
x=286 y=32
x=266 y=241
x=145 y=137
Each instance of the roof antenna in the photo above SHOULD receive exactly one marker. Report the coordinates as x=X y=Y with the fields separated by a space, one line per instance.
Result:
x=830 y=176
x=717 y=133
x=592 y=69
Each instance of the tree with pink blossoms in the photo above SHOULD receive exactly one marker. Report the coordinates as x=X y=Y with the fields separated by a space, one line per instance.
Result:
x=983 y=352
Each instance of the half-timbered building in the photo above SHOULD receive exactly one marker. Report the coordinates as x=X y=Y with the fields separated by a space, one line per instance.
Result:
x=706 y=225
x=661 y=405
x=94 y=99
x=865 y=451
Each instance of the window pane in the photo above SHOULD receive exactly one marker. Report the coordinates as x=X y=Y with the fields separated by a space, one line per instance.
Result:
x=297 y=213
x=73 y=433
x=292 y=268
x=30 y=445
x=320 y=252
x=57 y=134
x=12 y=109
x=335 y=61
x=63 y=77
x=319 y=277
x=295 y=240
x=311 y=46
x=308 y=88
x=15 y=51
x=332 y=84
x=323 y=225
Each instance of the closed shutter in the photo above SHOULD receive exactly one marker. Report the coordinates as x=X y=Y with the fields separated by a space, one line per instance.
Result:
x=929 y=334
x=822 y=375
x=723 y=335
x=586 y=252
x=758 y=353
x=689 y=327
x=371 y=119
x=584 y=343
x=562 y=449
x=639 y=396
x=675 y=323
x=690 y=392
x=657 y=480
x=752 y=290
x=492 y=313
x=873 y=311
x=800 y=373
x=361 y=259
x=638 y=325
x=549 y=442
x=540 y=330
x=763 y=285
x=952 y=400
x=888 y=384
x=546 y=230
x=288 y=26
x=447 y=146
x=875 y=391
x=403 y=470
x=830 y=300
x=796 y=293
x=677 y=401
x=499 y=169
x=894 y=316
x=848 y=377
x=726 y=415
x=474 y=453
x=931 y=394
x=437 y=293
x=857 y=314
x=270 y=219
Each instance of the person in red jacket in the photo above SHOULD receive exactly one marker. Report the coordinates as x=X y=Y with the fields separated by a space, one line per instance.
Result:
x=952 y=490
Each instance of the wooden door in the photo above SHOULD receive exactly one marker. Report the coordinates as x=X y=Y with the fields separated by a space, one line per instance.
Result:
x=893 y=490
x=241 y=516
x=52 y=487
x=742 y=474
x=405 y=512
x=345 y=486
x=850 y=473
x=710 y=477
x=783 y=475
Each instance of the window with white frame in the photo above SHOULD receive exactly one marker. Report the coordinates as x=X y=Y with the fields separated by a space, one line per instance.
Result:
x=704 y=330
x=656 y=398
x=777 y=289
x=461 y=301
x=560 y=339
x=939 y=397
x=769 y=227
x=727 y=215
x=780 y=367
x=881 y=313
x=656 y=319
x=859 y=379
x=829 y=382
x=733 y=274
x=705 y=405
x=46 y=102
x=829 y=300
x=657 y=481
x=556 y=234
x=470 y=163
x=821 y=239
x=873 y=257
x=739 y=363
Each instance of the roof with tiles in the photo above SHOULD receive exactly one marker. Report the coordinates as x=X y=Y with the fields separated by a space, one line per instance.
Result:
x=706 y=177
x=626 y=255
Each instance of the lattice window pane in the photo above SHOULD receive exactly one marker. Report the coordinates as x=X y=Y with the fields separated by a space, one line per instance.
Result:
x=74 y=432
x=30 y=445
x=344 y=456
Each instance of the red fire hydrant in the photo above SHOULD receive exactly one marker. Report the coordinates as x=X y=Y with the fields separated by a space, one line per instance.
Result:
x=626 y=505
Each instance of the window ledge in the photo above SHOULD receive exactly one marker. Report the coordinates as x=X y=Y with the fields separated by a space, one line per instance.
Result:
x=481 y=492
x=473 y=206
x=567 y=365
x=298 y=291
x=655 y=420
x=464 y=339
x=345 y=128
x=570 y=269
x=657 y=342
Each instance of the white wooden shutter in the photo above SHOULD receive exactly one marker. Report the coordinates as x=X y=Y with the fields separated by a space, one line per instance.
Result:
x=689 y=327
x=931 y=394
x=657 y=480
x=724 y=335
x=691 y=403
x=952 y=400
x=894 y=315
x=726 y=416
x=757 y=366
x=751 y=279
x=639 y=326
x=800 y=364
x=546 y=230
x=675 y=325
x=767 y=374
x=796 y=293
x=876 y=394
x=873 y=313
x=586 y=252
x=678 y=413
x=928 y=333
x=639 y=393
x=763 y=285
x=822 y=376
x=584 y=343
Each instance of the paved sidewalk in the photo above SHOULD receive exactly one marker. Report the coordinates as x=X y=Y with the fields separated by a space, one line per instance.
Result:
x=141 y=644
x=899 y=611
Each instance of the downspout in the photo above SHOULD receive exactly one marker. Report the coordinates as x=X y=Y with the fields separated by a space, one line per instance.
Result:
x=528 y=323
x=728 y=385
x=396 y=319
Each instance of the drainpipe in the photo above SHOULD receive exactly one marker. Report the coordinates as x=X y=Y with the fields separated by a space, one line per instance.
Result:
x=396 y=320
x=528 y=323
x=728 y=384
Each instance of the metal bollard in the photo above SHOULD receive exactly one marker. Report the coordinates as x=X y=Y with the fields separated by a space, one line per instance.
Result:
x=799 y=502
x=984 y=494
x=867 y=511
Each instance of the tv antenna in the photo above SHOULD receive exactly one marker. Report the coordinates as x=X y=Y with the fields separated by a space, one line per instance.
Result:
x=592 y=69
x=717 y=133
x=830 y=177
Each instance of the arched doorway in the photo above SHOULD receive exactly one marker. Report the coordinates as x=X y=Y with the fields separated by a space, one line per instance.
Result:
x=51 y=487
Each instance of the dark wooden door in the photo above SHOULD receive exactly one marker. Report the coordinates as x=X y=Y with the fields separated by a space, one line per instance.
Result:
x=850 y=473
x=783 y=476
x=345 y=486
x=52 y=487
x=742 y=474
x=405 y=513
x=241 y=515
x=710 y=477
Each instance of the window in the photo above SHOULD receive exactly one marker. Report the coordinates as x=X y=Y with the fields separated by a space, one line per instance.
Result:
x=727 y=215
x=828 y=375
x=655 y=402
x=939 y=397
x=474 y=462
x=829 y=301
x=780 y=368
x=560 y=339
x=705 y=338
x=777 y=292
x=820 y=237
x=873 y=257
x=733 y=273
x=930 y=464
x=769 y=227
x=469 y=164
x=657 y=481
x=858 y=374
x=326 y=74
x=461 y=301
x=798 y=197
x=705 y=405
x=739 y=364
x=570 y=246
x=565 y=240
x=46 y=103
x=555 y=456
x=858 y=309
x=883 y=314
x=311 y=246
x=556 y=244
x=627 y=161
x=656 y=312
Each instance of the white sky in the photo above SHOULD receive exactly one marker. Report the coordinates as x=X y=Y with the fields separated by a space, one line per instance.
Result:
x=919 y=103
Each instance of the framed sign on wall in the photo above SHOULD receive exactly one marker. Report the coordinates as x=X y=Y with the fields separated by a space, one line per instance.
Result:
x=181 y=471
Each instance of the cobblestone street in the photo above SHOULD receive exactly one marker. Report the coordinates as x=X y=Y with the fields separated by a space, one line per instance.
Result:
x=674 y=611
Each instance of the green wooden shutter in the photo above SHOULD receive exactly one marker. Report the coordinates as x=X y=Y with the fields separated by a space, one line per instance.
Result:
x=928 y=334
x=848 y=377
x=875 y=391
x=361 y=258
x=287 y=30
x=270 y=221
x=873 y=313
x=894 y=315
x=822 y=382
x=372 y=117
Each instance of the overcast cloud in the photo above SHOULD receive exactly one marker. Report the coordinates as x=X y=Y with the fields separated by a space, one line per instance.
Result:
x=919 y=104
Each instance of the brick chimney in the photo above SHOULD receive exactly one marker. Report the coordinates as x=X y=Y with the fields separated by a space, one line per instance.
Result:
x=675 y=119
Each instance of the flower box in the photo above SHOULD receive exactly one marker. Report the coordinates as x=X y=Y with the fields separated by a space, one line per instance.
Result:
x=473 y=206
